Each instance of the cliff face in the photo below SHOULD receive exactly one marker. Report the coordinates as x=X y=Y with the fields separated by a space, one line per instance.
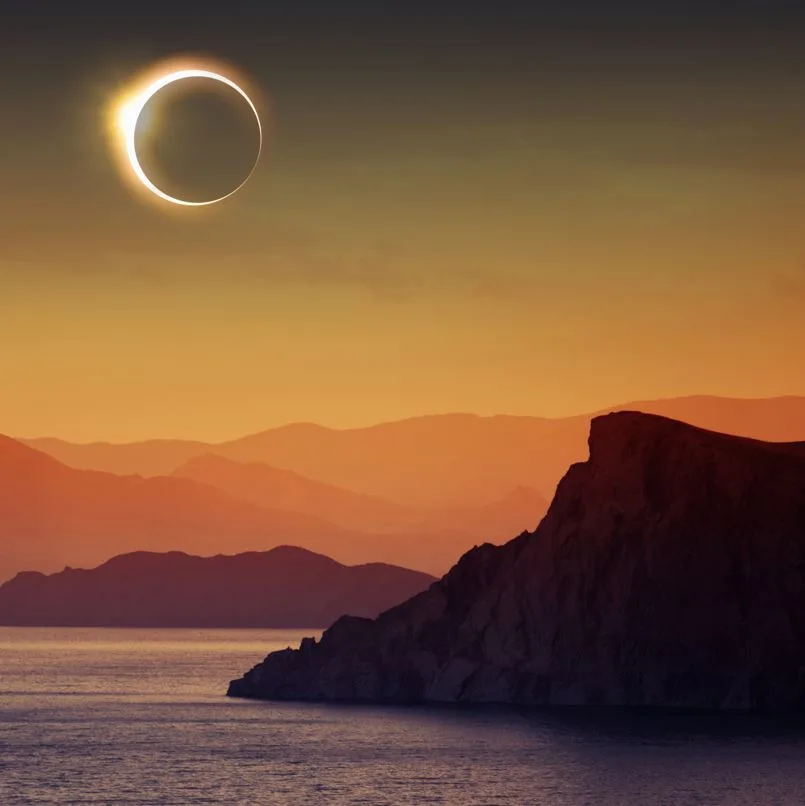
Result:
x=669 y=571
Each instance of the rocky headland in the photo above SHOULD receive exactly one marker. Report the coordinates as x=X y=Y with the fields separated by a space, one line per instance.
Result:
x=669 y=571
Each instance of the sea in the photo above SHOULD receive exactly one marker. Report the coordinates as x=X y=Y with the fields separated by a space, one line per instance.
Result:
x=130 y=716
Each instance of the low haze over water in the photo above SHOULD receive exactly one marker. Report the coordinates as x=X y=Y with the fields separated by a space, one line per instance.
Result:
x=140 y=717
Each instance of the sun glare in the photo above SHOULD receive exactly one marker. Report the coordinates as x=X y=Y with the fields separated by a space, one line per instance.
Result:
x=129 y=107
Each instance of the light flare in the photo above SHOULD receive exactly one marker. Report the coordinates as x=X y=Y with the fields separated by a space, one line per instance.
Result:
x=129 y=109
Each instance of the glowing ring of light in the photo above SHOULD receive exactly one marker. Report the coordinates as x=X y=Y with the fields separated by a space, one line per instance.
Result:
x=130 y=115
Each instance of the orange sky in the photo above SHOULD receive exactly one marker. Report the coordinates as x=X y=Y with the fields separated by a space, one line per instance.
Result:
x=490 y=226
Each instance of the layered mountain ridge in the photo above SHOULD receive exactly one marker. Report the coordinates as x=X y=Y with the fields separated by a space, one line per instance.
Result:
x=52 y=515
x=445 y=460
x=669 y=571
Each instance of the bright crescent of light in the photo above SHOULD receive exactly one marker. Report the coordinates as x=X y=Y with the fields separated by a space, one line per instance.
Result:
x=130 y=113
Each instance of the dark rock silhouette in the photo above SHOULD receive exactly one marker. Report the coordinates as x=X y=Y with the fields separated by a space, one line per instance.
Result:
x=284 y=587
x=669 y=571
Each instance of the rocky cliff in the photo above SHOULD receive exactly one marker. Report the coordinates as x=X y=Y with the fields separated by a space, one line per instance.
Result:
x=668 y=571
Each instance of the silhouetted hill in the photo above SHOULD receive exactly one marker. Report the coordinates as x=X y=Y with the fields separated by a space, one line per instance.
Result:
x=669 y=571
x=438 y=462
x=284 y=587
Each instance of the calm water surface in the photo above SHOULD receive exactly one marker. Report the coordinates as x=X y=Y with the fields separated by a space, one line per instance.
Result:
x=139 y=717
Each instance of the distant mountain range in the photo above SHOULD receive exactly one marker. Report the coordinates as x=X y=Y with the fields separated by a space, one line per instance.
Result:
x=283 y=489
x=669 y=571
x=284 y=587
x=440 y=461
x=268 y=486
x=52 y=515
x=416 y=493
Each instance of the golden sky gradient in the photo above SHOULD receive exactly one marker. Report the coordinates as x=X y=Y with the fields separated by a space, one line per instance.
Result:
x=527 y=222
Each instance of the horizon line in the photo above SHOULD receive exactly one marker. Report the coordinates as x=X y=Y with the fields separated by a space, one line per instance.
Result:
x=380 y=423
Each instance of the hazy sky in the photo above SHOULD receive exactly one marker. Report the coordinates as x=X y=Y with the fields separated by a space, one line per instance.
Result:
x=502 y=211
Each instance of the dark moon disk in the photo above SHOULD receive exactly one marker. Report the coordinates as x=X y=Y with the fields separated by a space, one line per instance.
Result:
x=197 y=139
